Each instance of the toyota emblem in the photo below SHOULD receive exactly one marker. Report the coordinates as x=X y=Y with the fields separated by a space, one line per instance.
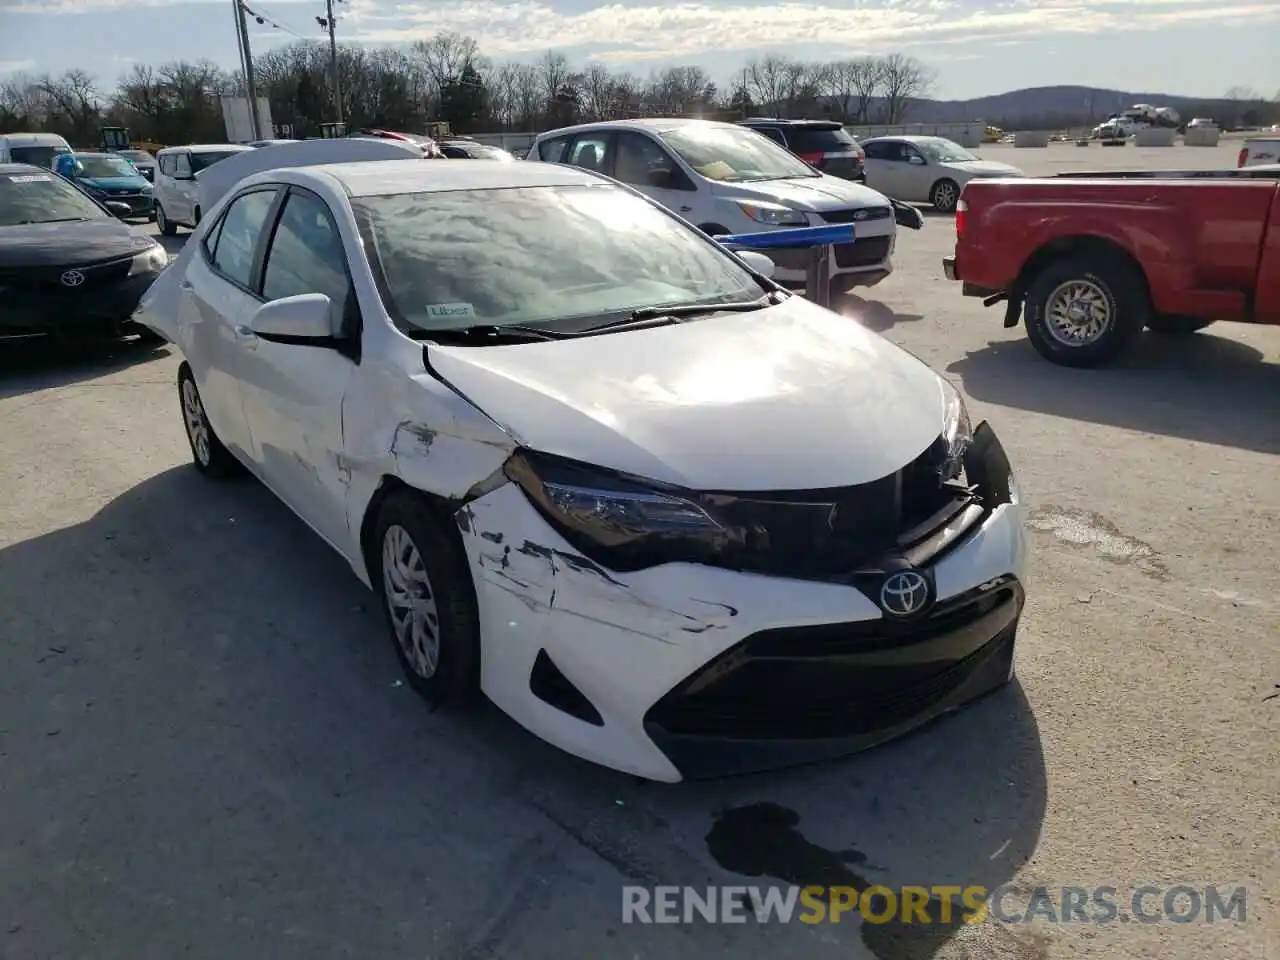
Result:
x=904 y=594
x=72 y=278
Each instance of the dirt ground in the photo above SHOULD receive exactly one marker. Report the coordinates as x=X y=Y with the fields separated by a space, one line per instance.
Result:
x=205 y=749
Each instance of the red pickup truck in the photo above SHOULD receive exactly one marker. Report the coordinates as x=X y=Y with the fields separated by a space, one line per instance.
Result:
x=1090 y=260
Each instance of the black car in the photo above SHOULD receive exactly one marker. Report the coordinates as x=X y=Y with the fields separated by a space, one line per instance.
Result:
x=472 y=150
x=824 y=144
x=69 y=268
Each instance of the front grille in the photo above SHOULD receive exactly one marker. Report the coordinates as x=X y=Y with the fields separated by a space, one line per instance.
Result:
x=48 y=280
x=831 y=681
x=861 y=215
x=862 y=253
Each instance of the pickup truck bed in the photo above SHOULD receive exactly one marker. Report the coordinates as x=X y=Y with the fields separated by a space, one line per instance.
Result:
x=1089 y=262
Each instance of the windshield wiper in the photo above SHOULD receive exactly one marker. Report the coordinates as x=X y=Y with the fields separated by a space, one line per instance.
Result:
x=487 y=333
x=660 y=316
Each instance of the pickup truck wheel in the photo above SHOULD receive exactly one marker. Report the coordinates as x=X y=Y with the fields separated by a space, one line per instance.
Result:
x=944 y=195
x=1085 y=310
x=1175 y=326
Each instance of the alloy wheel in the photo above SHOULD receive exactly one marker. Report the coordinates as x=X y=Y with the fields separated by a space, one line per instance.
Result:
x=197 y=424
x=1078 y=313
x=411 y=602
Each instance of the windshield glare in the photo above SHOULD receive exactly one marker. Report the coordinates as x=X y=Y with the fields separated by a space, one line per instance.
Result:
x=734 y=154
x=941 y=150
x=42 y=198
x=106 y=167
x=561 y=256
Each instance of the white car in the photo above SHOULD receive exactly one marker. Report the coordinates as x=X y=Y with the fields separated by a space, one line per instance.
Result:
x=668 y=516
x=176 y=190
x=729 y=179
x=926 y=169
x=1259 y=150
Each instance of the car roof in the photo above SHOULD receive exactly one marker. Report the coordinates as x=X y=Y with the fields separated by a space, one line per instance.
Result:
x=384 y=177
x=807 y=122
x=209 y=148
x=642 y=123
x=34 y=139
x=94 y=153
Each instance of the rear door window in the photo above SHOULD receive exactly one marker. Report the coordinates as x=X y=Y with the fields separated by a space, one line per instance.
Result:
x=552 y=151
x=808 y=140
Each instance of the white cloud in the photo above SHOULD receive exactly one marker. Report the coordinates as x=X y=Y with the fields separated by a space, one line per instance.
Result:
x=54 y=7
x=652 y=31
x=15 y=66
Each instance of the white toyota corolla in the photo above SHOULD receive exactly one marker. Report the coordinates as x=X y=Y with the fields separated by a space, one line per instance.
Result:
x=666 y=515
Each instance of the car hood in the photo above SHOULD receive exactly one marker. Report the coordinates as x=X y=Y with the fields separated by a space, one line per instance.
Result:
x=68 y=244
x=986 y=168
x=115 y=183
x=793 y=397
x=807 y=193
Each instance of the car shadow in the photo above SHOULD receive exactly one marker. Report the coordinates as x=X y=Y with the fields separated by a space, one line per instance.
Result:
x=872 y=314
x=1204 y=388
x=194 y=689
x=29 y=366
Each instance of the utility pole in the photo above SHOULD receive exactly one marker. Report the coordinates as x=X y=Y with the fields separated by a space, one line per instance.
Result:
x=251 y=91
x=329 y=22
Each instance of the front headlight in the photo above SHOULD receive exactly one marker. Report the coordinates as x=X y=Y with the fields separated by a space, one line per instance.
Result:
x=774 y=214
x=620 y=522
x=151 y=260
x=957 y=431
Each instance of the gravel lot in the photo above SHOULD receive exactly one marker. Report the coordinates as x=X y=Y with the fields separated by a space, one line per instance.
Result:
x=205 y=750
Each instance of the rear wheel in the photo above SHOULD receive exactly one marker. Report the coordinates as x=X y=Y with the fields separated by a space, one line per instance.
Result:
x=1176 y=326
x=944 y=195
x=1085 y=310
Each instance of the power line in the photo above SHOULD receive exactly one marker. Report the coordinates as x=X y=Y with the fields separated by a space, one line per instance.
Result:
x=266 y=20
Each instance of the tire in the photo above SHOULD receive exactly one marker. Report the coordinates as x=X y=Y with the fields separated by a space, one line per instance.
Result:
x=210 y=457
x=433 y=572
x=166 y=226
x=944 y=195
x=1110 y=296
x=196 y=218
x=1176 y=326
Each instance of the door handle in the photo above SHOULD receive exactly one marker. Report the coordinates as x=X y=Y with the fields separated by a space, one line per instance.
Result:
x=184 y=285
x=685 y=209
x=246 y=336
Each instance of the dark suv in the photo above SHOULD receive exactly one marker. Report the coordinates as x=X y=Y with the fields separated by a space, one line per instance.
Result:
x=823 y=144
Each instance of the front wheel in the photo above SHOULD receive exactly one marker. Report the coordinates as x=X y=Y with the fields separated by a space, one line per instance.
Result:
x=166 y=226
x=1084 y=311
x=211 y=458
x=944 y=196
x=422 y=577
x=1176 y=326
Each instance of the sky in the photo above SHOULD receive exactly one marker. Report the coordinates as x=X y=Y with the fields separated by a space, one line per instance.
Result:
x=976 y=47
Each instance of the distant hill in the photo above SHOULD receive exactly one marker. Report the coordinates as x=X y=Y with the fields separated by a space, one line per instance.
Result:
x=1060 y=106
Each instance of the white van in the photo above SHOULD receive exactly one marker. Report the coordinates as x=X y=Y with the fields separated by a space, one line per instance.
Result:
x=729 y=179
x=177 y=198
x=37 y=149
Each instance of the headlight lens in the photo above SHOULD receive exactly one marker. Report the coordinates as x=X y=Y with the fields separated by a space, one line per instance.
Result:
x=774 y=214
x=619 y=522
x=957 y=431
x=151 y=260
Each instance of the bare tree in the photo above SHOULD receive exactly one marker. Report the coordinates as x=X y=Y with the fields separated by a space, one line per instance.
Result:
x=903 y=79
x=597 y=92
x=770 y=83
x=528 y=95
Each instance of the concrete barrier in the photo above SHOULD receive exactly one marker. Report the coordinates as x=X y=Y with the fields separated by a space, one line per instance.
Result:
x=1155 y=137
x=1201 y=137
x=1030 y=138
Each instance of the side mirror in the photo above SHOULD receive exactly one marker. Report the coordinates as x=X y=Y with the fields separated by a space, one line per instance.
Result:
x=905 y=215
x=916 y=160
x=661 y=179
x=121 y=210
x=757 y=262
x=304 y=320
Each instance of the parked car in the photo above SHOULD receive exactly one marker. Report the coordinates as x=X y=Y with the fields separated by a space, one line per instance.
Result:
x=1087 y=262
x=176 y=194
x=1259 y=150
x=37 y=149
x=927 y=169
x=142 y=160
x=257 y=144
x=471 y=150
x=666 y=515
x=823 y=144
x=430 y=149
x=726 y=179
x=106 y=176
x=68 y=267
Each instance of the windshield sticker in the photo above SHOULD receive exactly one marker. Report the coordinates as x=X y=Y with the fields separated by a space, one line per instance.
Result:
x=451 y=311
x=716 y=170
x=31 y=178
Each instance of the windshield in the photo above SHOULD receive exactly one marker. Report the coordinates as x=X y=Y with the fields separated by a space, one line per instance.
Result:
x=36 y=156
x=105 y=167
x=941 y=150
x=201 y=161
x=42 y=198
x=734 y=153
x=138 y=156
x=561 y=256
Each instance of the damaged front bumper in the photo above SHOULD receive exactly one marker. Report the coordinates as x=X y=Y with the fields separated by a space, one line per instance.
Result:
x=684 y=670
